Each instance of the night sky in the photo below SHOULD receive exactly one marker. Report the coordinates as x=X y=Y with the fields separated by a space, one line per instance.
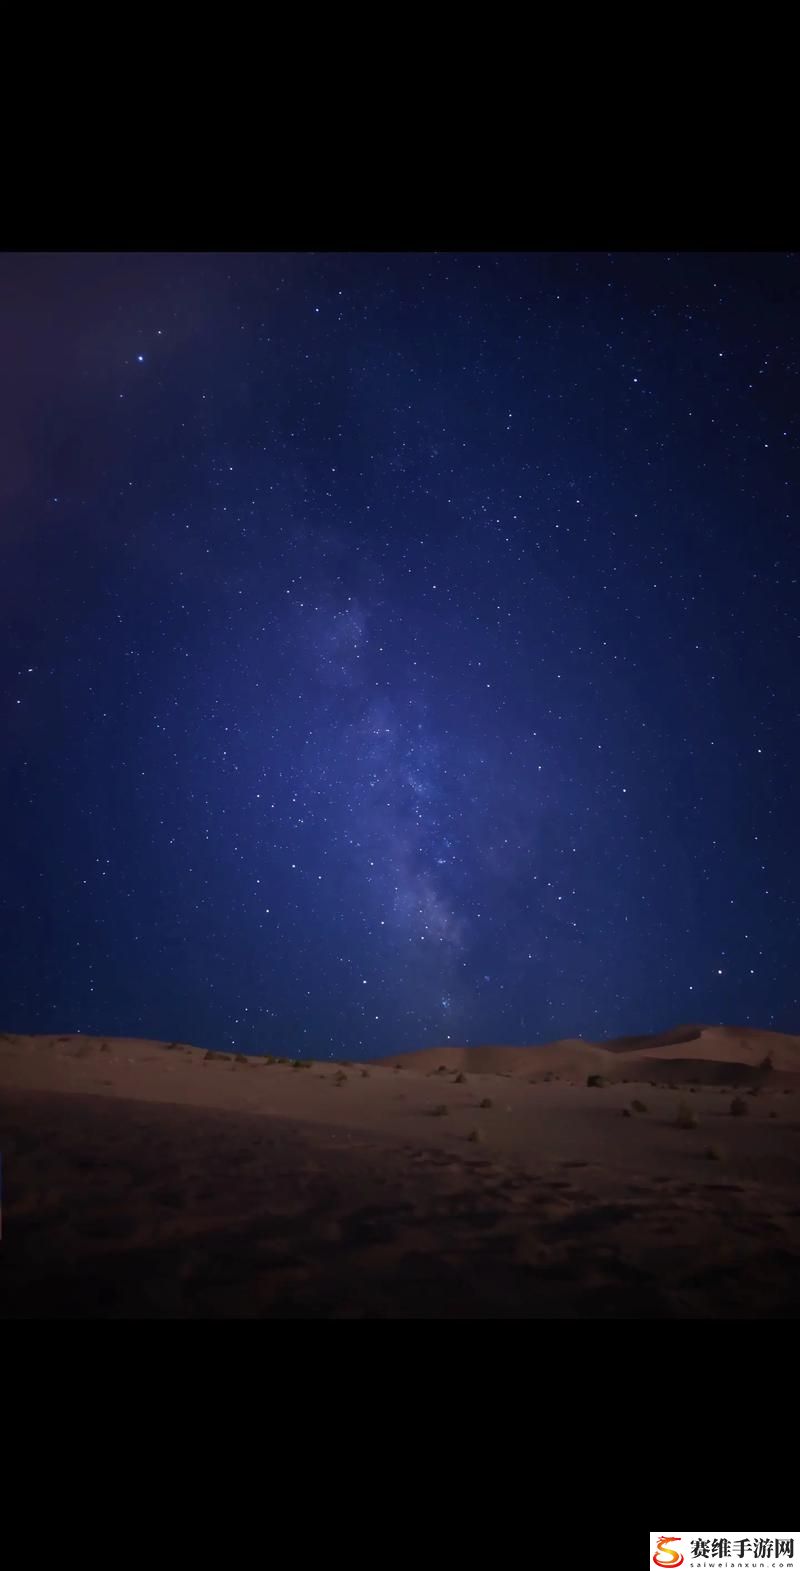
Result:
x=398 y=648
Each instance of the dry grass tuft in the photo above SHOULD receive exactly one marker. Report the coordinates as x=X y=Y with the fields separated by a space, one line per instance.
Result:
x=685 y=1117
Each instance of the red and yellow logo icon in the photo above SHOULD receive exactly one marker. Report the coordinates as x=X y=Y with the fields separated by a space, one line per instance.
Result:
x=668 y=1557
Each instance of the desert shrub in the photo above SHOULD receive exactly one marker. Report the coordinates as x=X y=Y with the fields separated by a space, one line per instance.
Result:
x=487 y=1102
x=365 y=1074
x=339 y=1078
x=596 y=1080
x=738 y=1107
x=638 y=1107
x=240 y=1059
x=475 y=1134
x=685 y=1117
x=460 y=1078
x=439 y=1110
x=282 y=1060
x=626 y=1112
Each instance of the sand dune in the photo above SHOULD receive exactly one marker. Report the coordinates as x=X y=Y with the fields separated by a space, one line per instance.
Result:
x=570 y=1056
x=635 y=1044
x=688 y=1047
x=148 y=1178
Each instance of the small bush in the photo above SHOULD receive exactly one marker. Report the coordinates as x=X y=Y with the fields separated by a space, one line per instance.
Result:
x=339 y=1078
x=240 y=1059
x=475 y=1135
x=638 y=1107
x=487 y=1102
x=439 y=1110
x=282 y=1060
x=738 y=1107
x=365 y=1074
x=685 y=1117
x=268 y=1059
x=626 y=1112
x=596 y=1080
x=460 y=1078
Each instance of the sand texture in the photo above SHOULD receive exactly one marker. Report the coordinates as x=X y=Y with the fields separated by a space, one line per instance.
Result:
x=151 y=1179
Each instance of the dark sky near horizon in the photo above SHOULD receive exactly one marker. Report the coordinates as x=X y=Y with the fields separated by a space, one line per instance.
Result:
x=399 y=648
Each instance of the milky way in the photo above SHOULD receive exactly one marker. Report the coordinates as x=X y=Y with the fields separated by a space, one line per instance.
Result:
x=398 y=649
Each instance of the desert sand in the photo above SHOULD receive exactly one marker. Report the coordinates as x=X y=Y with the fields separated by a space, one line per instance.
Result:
x=157 y=1179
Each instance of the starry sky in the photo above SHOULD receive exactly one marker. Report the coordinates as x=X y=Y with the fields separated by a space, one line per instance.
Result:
x=398 y=648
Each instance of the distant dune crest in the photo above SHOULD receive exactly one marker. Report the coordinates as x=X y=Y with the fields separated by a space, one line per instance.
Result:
x=706 y=1053
x=687 y=1053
